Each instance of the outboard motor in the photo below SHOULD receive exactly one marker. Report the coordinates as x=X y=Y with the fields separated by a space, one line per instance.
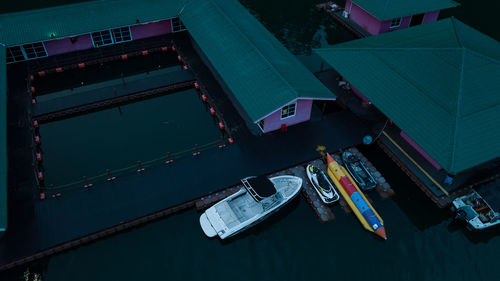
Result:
x=461 y=215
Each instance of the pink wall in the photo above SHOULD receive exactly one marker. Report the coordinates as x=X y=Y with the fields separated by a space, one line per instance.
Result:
x=55 y=47
x=385 y=26
x=362 y=18
x=420 y=150
x=150 y=29
x=302 y=113
x=431 y=17
x=374 y=26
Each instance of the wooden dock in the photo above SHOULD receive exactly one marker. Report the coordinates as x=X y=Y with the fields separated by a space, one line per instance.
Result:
x=322 y=210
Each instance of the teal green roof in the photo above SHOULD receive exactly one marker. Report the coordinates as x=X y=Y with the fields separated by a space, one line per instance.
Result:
x=439 y=82
x=74 y=19
x=390 y=9
x=3 y=139
x=260 y=72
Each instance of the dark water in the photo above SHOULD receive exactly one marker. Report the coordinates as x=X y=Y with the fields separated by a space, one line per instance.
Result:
x=117 y=138
x=423 y=244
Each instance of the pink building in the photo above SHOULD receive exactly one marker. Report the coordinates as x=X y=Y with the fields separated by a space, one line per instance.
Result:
x=380 y=16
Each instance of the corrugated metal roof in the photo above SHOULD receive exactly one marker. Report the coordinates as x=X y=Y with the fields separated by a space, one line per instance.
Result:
x=260 y=72
x=438 y=82
x=74 y=19
x=390 y=9
x=3 y=139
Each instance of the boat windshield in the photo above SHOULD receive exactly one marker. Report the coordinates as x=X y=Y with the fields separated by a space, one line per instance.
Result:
x=323 y=182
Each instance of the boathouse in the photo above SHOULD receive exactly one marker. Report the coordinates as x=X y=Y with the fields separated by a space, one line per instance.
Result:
x=380 y=16
x=267 y=84
x=441 y=91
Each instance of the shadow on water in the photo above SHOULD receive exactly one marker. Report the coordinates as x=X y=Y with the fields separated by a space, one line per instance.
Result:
x=474 y=236
x=264 y=225
x=420 y=209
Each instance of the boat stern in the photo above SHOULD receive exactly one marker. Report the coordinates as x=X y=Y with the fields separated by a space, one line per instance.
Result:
x=207 y=227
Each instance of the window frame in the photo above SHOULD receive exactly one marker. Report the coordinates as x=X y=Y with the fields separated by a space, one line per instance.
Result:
x=100 y=34
x=180 y=25
x=288 y=115
x=25 y=52
x=115 y=41
x=398 y=20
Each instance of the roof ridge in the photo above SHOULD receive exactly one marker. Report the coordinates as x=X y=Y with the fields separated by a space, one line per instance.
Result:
x=457 y=115
x=455 y=32
x=255 y=47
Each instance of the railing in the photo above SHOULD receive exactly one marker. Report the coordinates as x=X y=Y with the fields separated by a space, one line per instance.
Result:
x=110 y=175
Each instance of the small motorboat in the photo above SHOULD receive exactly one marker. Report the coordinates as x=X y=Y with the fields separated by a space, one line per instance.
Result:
x=475 y=211
x=257 y=199
x=322 y=185
x=358 y=171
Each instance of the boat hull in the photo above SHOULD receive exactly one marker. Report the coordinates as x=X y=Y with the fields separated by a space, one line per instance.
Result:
x=219 y=228
x=330 y=198
x=352 y=194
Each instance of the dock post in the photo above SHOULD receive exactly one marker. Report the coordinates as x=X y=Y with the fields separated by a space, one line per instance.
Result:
x=86 y=182
x=139 y=167
x=110 y=178
x=169 y=159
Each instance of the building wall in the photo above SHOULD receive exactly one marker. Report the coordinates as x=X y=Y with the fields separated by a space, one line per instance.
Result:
x=83 y=42
x=60 y=46
x=431 y=17
x=362 y=18
x=141 y=31
x=420 y=150
x=302 y=113
x=385 y=26
x=374 y=26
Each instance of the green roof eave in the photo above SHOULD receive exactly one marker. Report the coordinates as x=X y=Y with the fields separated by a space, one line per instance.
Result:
x=3 y=139
x=258 y=70
x=389 y=9
x=81 y=18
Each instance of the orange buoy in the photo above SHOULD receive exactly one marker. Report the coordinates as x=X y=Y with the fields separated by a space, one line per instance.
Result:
x=37 y=139
x=42 y=196
x=204 y=97
x=41 y=73
x=196 y=85
x=59 y=69
x=35 y=123
x=212 y=111
x=40 y=176
x=164 y=49
x=32 y=77
x=185 y=67
x=81 y=65
x=33 y=100
x=32 y=89
x=38 y=156
x=179 y=58
x=145 y=53
x=173 y=48
x=124 y=57
x=221 y=125
x=230 y=140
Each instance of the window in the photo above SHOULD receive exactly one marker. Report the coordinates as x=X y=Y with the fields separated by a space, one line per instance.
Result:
x=288 y=111
x=14 y=54
x=102 y=38
x=261 y=125
x=33 y=51
x=122 y=34
x=395 y=22
x=177 y=25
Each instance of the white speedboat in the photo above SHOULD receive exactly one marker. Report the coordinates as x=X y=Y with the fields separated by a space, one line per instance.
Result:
x=259 y=198
x=475 y=211
x=322 y=185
